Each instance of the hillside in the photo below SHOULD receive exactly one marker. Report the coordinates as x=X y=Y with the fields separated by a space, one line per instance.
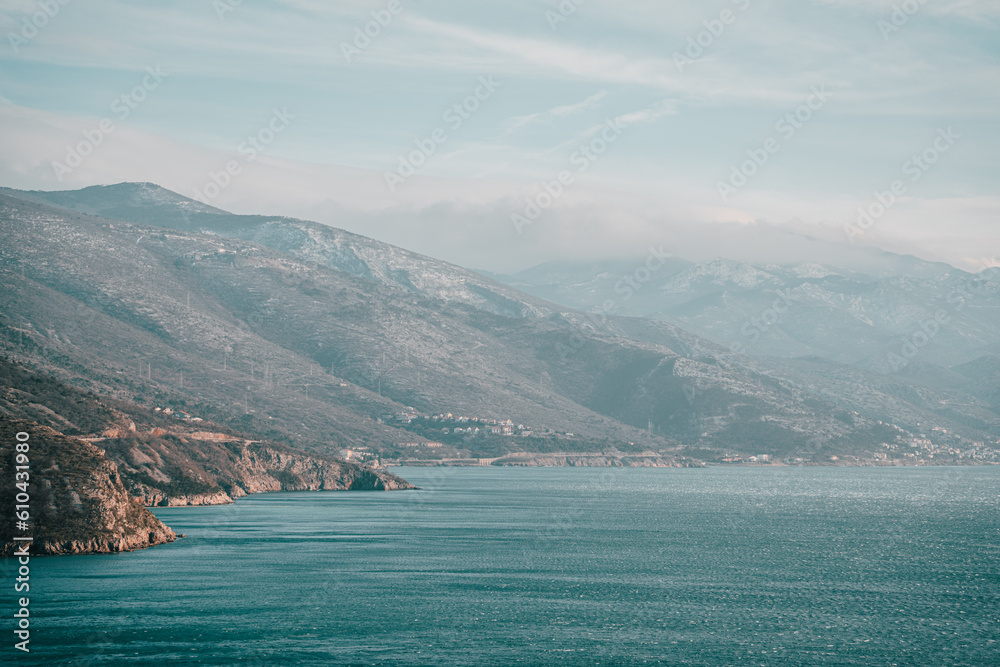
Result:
x=352 y=254
x=294 y=331
x=164 y=461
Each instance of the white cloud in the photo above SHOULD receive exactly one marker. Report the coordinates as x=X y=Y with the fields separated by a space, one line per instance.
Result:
x=655 y=112
x=467 y=221
x=517 y=122
x=551 y=56
x=609 y=61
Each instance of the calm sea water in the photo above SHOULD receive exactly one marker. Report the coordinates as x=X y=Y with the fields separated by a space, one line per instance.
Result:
x=725 y=566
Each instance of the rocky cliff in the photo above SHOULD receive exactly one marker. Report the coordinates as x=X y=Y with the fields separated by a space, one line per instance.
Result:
x=166 y=462
x=96 y=463
x=170 y=471
x=78 y=502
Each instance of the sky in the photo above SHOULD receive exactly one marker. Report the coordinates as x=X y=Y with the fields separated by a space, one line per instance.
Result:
x=498 y=135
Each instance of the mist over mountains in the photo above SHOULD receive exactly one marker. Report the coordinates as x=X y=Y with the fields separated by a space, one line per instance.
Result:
x=318 y=337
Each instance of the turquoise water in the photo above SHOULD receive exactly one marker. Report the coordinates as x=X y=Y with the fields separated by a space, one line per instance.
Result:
x=725 y=566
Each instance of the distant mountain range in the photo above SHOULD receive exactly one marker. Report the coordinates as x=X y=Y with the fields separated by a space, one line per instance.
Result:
x=299 y=332
x=906 y=321
x=853 y=315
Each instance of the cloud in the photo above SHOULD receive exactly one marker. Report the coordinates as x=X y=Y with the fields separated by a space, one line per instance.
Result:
x=551 y=56
x=517 y=122
x=976 y=10
x=467 y=221
x=26 y=7
x=610 y=61
x=655 y=112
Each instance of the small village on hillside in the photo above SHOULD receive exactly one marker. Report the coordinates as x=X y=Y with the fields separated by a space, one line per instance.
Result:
x=448 y=423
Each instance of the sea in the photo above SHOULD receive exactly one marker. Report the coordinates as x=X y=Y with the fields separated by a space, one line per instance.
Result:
x=551 y=566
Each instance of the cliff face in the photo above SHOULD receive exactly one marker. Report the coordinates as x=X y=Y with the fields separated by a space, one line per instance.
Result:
x=78 y=502
x=95 y=464
x=166 y=462
x=173 y=471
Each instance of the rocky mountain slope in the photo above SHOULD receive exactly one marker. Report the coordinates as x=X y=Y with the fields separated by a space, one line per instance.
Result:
x=890 y=337
x=78 y=501
x=355 y=255
x=164 y=461
x=295 y=331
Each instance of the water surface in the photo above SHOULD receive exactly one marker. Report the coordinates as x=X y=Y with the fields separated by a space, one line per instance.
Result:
x=725 y=566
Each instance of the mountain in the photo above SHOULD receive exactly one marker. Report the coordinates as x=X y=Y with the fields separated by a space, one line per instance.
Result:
x=229 y=329
x=984 y=378
x=355 y=255
x=295 y=331
x=850 y=315
x=835 y=332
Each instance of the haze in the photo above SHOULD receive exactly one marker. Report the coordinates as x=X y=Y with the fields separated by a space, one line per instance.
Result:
x=698 y=88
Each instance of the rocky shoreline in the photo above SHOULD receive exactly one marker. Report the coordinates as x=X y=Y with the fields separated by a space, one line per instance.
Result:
x=366 y=481
x=77 y=502
x=242 y=468
x=88 y=500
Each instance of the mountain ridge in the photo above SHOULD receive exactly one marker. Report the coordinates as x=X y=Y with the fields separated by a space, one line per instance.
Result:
x=250 y=306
